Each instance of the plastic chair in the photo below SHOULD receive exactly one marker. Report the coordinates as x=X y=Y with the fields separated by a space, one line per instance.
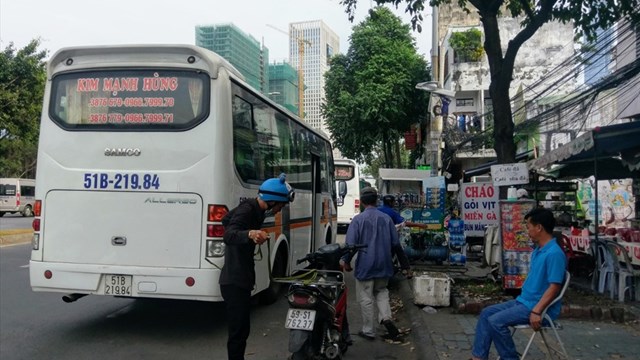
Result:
x=628 y=278
x=548 y=324
x=605 y=265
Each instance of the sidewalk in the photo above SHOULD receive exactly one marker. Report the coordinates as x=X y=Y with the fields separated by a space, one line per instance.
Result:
x=446 y=336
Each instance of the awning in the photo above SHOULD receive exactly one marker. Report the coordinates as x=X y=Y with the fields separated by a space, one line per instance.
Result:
x=403 y=174
x=486 y=167
x=608 y=169
x=615 y=147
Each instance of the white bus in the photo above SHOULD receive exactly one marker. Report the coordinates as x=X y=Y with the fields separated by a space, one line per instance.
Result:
x=143 y=150
x=348 y=187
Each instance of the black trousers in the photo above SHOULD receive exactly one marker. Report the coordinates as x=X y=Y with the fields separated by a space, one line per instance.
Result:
x=238 y=302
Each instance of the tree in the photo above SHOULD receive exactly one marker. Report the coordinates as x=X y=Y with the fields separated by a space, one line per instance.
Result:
x=22 y=79
x=370 y=91
x=467 y=45
x=587 y=17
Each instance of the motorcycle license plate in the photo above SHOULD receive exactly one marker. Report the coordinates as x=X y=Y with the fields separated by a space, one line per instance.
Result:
x=300 y=319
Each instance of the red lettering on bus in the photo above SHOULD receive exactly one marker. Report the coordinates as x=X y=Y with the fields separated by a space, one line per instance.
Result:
x=160 y=84
x=86 y=85
x=120 y=84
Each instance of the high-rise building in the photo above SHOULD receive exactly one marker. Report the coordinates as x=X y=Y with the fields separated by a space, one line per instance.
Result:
x=283 y=85
x=242 y=50
x=320 y=44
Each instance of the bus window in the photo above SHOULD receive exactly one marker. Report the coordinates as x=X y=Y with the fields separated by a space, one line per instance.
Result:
x=129 y=99
x=244 y=140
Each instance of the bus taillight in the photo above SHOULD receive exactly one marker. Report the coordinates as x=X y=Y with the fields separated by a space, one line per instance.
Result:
x=356 y=204
x=37 y=207
x=216 y=212
x=215 y=230
x=36 y=224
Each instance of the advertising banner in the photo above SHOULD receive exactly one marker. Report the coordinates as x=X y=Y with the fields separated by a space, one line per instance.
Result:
x=479 y=202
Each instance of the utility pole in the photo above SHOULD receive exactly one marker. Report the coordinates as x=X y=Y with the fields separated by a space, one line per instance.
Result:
x=301 y=43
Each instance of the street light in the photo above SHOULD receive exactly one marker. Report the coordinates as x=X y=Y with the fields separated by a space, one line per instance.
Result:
x=432 y=143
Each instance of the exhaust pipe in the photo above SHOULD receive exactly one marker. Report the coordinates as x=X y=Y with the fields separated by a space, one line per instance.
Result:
x=69 y=298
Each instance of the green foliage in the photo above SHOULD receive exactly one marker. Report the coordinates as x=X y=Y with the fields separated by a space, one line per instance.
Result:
x=370 y=91
x=586 y=16
x=467 y=45
x=22 y=80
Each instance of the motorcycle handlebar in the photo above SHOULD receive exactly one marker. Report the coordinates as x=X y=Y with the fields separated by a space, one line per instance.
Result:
x=345 y=249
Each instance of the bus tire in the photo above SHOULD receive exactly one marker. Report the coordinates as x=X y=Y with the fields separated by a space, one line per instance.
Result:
x=270 y=295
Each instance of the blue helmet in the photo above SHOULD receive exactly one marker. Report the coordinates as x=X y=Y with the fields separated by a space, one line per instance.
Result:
x=276 y=189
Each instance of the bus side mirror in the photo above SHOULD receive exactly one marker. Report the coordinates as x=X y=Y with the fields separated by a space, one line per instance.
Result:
x=342 y=188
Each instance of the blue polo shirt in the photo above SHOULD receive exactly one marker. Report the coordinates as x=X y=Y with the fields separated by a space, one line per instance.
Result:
x=548 y=265
x=374 y=228
x=397 y=219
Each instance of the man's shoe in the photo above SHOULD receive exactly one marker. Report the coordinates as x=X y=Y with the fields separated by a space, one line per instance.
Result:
x=366 y=336
x=391 y=329
x=348 y=341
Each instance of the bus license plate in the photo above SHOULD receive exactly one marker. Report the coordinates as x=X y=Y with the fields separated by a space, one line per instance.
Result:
x=117 y=285
x=300 y=319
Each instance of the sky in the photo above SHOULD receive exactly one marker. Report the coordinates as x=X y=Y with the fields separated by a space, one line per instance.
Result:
x=62 y=23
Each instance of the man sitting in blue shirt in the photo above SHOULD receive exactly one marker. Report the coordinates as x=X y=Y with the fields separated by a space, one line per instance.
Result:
x=544 y=282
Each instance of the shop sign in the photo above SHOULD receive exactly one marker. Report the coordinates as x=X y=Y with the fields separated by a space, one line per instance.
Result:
x=509 y=174
x=479 y=203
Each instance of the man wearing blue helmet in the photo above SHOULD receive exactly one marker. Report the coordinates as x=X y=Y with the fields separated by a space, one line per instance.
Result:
x=242 y=227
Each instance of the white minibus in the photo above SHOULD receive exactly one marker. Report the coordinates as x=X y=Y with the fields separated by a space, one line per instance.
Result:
x=17 y=196
x=142 y=151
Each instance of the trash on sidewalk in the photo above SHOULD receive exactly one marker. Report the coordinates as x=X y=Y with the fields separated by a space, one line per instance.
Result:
x=429 y=310
x=432 y=288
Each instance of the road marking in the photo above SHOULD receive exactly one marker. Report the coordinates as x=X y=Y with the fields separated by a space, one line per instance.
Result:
x=24 y=266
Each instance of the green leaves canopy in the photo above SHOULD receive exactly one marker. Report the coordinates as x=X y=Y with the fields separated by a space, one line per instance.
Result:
x=586 y=16
x=370 y=92
x=22 y=80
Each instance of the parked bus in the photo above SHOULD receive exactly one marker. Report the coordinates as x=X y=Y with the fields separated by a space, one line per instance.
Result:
x=143 y=150
x=348 y=185
x=17 y=196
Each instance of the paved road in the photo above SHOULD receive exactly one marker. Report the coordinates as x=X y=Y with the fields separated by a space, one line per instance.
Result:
x=15 y=221
x=40 y=326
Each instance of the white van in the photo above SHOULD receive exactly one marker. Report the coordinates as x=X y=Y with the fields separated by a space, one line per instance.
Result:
x=348 y=188
x=17 y=196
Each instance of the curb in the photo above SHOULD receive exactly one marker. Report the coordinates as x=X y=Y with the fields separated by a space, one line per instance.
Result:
x=618 y=314
x=14 y=237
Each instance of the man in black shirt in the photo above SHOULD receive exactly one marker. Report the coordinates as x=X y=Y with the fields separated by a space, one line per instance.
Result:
x=242 y=227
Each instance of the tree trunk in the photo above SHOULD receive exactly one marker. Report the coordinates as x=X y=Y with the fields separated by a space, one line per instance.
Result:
x=388 y=157
x=398 y=161
x=501 y=73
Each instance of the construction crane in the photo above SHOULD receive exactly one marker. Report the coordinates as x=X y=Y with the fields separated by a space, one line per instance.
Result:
x=301 y=43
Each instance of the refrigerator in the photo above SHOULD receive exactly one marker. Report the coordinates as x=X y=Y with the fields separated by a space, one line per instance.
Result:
x=516 y=244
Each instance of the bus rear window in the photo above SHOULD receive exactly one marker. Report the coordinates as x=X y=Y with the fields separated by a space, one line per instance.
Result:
x=344 y=172
x=130 y=99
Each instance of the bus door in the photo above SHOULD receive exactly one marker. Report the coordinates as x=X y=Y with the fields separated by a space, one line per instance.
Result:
x=317 y=233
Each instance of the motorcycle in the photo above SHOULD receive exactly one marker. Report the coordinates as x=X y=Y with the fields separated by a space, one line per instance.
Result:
x=317 y=315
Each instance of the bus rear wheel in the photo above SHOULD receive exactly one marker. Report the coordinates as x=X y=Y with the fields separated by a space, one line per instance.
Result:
x=270 y=295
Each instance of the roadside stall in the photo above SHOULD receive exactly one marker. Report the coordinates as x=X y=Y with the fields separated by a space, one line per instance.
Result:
x=419 y=198
x=606 y=153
